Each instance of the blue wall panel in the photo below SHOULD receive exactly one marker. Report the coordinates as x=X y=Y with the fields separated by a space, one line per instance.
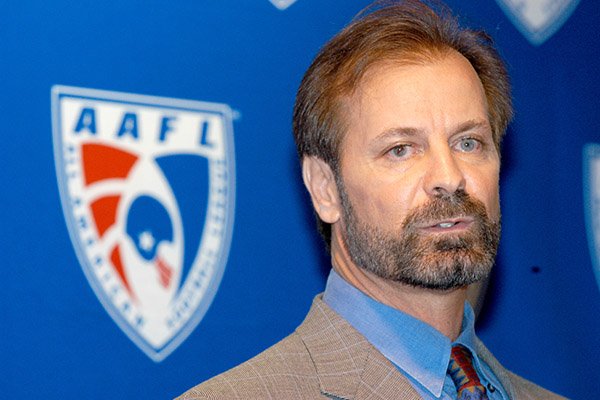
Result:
x=57 y=340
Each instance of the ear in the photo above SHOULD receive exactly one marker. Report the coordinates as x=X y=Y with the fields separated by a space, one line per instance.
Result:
x=320 y=182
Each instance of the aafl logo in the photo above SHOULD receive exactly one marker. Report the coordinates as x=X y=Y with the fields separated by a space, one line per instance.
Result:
x=147 y=187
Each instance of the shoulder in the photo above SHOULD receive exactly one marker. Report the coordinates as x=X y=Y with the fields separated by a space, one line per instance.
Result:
x=324 y=357
x=516 y=386
x=284 y=370
x=526 y=390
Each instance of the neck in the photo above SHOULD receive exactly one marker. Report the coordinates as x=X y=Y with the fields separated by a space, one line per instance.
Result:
x=443 y=310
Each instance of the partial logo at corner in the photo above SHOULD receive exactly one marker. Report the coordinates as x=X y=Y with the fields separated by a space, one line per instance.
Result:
x=591 y=194
x=147 y=187
x=282 y=4
x=538 y=20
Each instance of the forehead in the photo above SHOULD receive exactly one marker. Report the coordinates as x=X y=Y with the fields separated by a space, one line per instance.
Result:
x=430 y=95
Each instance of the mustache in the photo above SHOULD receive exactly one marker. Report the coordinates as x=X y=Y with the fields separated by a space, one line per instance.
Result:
x=446 y=206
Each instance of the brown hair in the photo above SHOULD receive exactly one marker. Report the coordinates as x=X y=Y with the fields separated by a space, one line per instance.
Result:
x=407 y=31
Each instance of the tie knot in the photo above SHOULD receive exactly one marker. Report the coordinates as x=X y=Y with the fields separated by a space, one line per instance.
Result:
x=463 y=374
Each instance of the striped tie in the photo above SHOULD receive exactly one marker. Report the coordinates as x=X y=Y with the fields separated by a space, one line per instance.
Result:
x=464 y=376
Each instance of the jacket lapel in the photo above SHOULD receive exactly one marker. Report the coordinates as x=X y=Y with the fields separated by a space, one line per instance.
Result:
x=349 y=367
x=382 y=380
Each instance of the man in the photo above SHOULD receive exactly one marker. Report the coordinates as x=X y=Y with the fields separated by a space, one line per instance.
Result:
x=398 y=124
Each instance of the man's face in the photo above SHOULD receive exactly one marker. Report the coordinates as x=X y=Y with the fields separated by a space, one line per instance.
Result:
x=419 y=175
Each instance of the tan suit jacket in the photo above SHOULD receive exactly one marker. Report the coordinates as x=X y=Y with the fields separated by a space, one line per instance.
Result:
x=325 y=358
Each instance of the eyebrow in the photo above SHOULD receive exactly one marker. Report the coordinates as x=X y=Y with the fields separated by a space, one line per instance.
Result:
x=469 y=125
x=398 y=132
x=472 y=124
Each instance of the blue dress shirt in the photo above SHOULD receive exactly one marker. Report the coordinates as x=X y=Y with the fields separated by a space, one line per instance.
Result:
x=418 y=350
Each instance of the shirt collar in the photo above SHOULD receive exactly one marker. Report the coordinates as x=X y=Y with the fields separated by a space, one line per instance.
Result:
x=415 y=347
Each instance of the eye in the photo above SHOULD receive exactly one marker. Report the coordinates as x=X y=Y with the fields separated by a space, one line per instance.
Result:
x=400 y=151
x=469 y=145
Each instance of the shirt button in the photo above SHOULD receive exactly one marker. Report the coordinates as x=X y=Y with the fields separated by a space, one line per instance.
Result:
x=491 y=388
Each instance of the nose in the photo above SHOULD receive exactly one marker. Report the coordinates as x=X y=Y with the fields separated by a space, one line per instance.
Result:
x=444 y=175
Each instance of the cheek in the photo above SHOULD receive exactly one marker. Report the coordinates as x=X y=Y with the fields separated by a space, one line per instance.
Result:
x=383 y=202
x=494 y=207
x=487 y=192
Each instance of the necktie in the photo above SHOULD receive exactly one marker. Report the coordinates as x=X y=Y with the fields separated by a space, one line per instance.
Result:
x=463 y=374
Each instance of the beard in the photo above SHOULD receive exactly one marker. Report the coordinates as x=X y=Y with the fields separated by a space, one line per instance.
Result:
x=431 y=261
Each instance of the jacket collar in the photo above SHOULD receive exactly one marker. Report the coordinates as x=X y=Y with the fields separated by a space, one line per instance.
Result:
x=348 y=367
x=501 y=373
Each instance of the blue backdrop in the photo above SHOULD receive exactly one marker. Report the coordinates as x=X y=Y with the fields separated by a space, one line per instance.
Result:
x=57 y=339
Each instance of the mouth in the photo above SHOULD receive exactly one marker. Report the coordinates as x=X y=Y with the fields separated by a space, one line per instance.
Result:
x=449 y=225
